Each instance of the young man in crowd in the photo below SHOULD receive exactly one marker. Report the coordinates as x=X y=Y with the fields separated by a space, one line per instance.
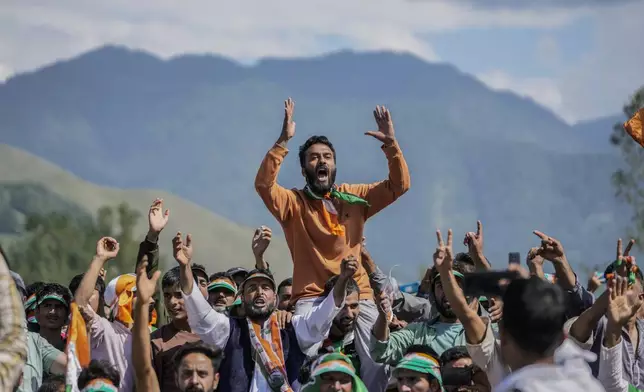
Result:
x=342 y=337
x=278 y=364
x=30 y=306
x=52 y=310
x=222 y=291
x=418 y=371
x=99 y=376
x=169 y=338
x=323 y=222
x=460 y=374
x=334 y=372
x=284 y=293
x=195 y=365
x=110 y=340
x=589 y=330
x=439 y=334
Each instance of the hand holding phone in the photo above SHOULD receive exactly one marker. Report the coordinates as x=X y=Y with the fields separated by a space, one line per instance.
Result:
x=514 y=258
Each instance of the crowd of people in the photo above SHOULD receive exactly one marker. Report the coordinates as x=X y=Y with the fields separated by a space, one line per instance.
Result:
x=339 y=324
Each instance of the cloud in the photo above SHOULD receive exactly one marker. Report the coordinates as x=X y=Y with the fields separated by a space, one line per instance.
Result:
x=537 y=4
x=243 y=30
x=544 y=91
x=604 y=79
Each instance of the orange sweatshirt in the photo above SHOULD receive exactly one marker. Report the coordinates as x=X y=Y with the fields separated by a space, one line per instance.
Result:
x=317 y=254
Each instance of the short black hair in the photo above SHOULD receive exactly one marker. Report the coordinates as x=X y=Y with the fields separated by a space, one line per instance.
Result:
x=534 y=313
x=34 y=287
x=99 y=369
x=76 y=281
x=464 y=258
x=172 y=276
x=311 y=141
x=215 y=354
x=52 y=383
x=454 y=354
x=54 y=289
x=285 y=283
x=352 y=286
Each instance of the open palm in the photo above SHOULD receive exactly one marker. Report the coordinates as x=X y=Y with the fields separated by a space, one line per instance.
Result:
x=622 y=303
x=385 y=132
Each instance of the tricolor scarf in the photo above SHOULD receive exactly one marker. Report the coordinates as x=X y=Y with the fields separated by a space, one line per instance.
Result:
x=269 y=354
x=77 y=350
x=421 y=363
x=329 y=212
x=100 y=385
x=335 y=362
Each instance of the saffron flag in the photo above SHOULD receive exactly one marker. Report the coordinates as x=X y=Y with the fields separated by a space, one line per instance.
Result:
x=634 y=127
x=77 y=351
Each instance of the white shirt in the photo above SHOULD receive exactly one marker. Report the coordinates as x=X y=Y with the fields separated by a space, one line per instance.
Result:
x=214 y=328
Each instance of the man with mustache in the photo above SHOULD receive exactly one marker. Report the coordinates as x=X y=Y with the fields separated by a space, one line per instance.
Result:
x=323 y=223
x=259 y=356
x=221 y=292
x=439 y=334
x=169 y=338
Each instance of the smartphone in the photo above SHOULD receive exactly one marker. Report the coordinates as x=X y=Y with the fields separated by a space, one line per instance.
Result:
x=514 y=258
x=489 y=284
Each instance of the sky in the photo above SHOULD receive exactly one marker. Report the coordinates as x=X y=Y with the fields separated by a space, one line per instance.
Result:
x=580 y=58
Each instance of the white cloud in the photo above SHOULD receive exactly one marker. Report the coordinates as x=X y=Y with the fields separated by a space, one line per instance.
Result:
x=544 y=91
x=604 y=79
x=243 y=30
x=38 y=32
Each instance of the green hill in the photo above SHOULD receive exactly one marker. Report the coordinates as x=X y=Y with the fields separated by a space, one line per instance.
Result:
x=31 y=185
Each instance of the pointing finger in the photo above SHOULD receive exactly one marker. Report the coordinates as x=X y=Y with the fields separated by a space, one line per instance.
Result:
x=619 y=248
x=479 y=228
x=540 y=235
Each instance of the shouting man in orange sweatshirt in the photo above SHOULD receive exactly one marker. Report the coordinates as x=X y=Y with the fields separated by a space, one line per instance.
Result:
x=324 y=222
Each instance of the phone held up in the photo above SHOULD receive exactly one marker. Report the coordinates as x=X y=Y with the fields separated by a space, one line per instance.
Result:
x=514 y=258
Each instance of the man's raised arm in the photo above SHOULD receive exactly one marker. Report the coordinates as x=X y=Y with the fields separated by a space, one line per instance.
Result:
x=279 y=201
x=211 y=326
x=379 y=195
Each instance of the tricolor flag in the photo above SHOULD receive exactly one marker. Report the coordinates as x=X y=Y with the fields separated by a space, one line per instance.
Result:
x=77 y=350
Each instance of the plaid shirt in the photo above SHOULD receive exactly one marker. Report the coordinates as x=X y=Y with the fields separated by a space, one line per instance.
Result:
x=13 y=338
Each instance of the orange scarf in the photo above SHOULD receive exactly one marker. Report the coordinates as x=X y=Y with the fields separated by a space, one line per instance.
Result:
x=270 y=352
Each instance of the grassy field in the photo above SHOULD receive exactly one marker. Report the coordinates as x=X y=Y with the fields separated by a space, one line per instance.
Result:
x=219 y=243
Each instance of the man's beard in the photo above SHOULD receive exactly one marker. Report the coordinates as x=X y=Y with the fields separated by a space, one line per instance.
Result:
x=445 y=309
x=194 y=388
x=255 y=313
x=342 y=327
x=316 y=187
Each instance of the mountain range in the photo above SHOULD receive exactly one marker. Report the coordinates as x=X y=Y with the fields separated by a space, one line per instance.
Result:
x=198 y=126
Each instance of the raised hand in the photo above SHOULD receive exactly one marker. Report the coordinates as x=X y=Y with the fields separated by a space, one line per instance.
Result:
x=535 y=258
x=349 y=267
x=384 y=304
x=182 y=251
x=261 y=240
x=145 y=287
x=623 y=304
x=474 y=241
x=288 y=128
x=593 y=283
x=107 y=248
x=624 y=255
x=157 y=218
x=385 y=132
x=443 y=256
x=551 y=249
